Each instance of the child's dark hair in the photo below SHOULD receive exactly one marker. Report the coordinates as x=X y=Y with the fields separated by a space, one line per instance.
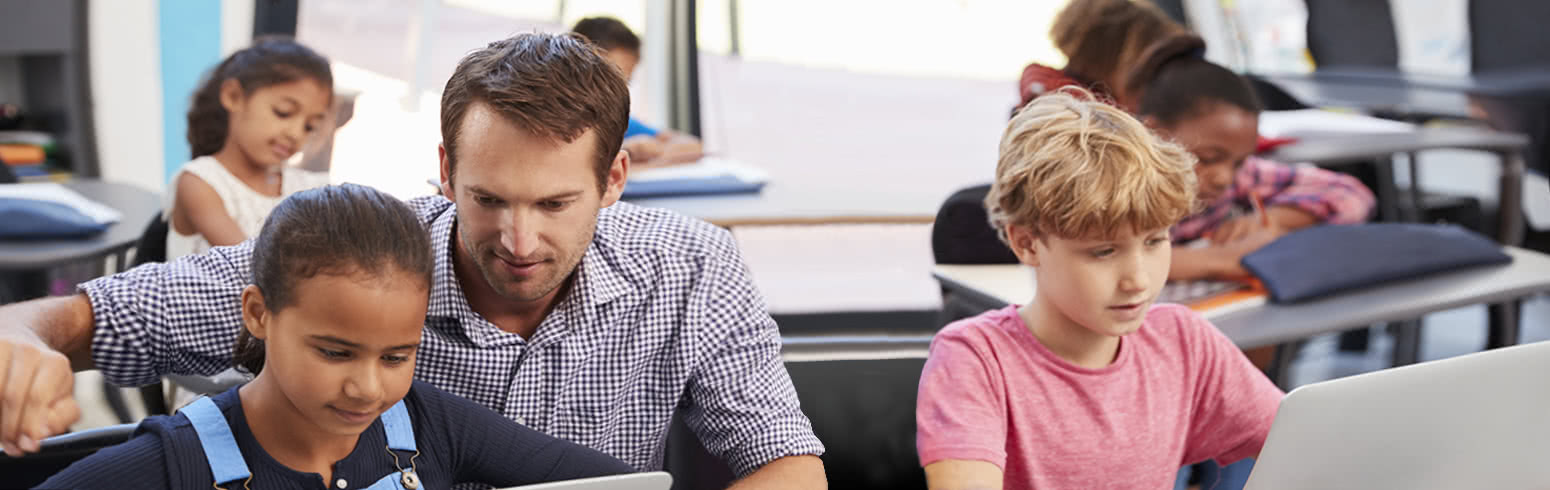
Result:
x=333 y=230
x=607 y=33
x=269 y=61
x=1177 y=84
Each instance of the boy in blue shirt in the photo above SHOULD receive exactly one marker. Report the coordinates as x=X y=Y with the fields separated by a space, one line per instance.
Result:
x=646 y=145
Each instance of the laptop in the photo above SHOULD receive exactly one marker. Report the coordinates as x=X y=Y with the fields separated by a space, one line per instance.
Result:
x=656 y=480
x=1476 y=421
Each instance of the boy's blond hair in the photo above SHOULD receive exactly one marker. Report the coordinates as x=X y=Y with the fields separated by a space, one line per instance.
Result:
x=1075 y=168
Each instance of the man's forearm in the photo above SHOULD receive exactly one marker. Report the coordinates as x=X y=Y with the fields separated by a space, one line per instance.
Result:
x=796 y=472
x=62 y=324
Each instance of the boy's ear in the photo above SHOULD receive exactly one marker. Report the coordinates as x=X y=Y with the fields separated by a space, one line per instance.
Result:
x=255 y=315
x=1022 y=241
x=231 y=94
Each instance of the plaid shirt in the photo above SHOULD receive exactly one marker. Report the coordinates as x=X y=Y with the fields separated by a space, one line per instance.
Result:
x=1331 y=197
x=662 y=313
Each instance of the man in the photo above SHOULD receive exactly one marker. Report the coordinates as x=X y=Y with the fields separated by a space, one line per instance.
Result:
x=553 y=304
x=647 y=146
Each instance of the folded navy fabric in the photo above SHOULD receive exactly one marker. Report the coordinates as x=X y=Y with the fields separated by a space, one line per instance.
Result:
x=1325 y=260
x=35 y=219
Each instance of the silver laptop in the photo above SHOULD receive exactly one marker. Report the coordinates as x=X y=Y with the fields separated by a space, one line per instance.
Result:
x=655 y=480
x=1475 y=421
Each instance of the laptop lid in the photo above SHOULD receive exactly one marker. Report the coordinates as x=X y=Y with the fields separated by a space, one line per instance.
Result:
x=1476 y=421
x=656 y=480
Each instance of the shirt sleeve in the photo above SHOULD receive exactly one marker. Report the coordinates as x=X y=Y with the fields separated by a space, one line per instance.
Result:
x=637 y=128
x=741 y=403
x=1331 y=197
x=139 y=463
x=960 y=411
x=1234 y=402
x=180 y=317
x=483 y=445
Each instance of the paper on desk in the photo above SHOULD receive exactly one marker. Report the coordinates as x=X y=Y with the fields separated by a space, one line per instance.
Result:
x=707 y=167
x=1290 y=124
x=51 y=192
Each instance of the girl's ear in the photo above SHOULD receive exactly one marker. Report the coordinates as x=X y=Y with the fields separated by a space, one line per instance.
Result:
x=1022 y=243
x=255 y=315
x=232 y=95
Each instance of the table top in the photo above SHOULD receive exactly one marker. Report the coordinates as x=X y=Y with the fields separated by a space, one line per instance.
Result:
x=799 y=194
x=137 y=205
x=1349 y=148
x=1270 y=324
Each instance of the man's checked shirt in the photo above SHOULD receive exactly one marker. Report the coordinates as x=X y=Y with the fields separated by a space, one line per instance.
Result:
x=1332 y=198
x=662 y=312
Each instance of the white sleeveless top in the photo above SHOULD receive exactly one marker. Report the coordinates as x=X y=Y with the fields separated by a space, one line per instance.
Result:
x=245 y=206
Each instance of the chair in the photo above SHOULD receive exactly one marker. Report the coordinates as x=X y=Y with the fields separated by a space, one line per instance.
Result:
x=59 y=452
x=152 y=247
x=962 y=234
x=859 y=393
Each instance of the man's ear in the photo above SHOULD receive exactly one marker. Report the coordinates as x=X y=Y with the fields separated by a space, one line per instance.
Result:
x=1022 y=241
x=446 y=172
x=618 y=173
x=231 y=95
x=255 y=314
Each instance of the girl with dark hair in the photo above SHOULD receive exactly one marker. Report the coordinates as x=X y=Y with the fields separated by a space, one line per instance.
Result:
x=1214 y=113
x=252 y=113
x=331 y=326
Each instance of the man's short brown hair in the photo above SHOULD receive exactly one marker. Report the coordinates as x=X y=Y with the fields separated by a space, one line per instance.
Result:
x=556 y=86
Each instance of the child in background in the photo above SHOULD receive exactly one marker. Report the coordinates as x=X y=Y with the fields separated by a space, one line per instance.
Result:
x=1214 y=114
x=253 y=112
x=341 y=284
x=1101 y=39
x=1088 y=385
x=646 y=145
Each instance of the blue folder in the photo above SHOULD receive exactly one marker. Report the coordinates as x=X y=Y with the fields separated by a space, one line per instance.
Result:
x=725 y=184
x=1324 y=260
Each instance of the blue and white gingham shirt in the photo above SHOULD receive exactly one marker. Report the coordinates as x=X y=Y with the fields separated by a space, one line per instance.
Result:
x=662 y=311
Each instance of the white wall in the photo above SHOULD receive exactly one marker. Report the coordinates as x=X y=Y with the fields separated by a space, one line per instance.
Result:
x=126 y=83
x=126 y=90
x=236 y=25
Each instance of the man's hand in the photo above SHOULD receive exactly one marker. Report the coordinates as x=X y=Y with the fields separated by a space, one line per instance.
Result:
x=37 y=394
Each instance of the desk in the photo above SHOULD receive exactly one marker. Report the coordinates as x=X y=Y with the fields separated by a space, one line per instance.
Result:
x=798 y=195
x=1350 y=148
x=26 y=260
x=1388 y=90
x=994 y=286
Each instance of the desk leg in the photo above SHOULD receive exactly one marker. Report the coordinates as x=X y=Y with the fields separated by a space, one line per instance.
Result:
x=1388 y=192
x=1280 y=371
x=1509 y=209
x=1417 y=211
x=1407 y=342
x=1504 y=328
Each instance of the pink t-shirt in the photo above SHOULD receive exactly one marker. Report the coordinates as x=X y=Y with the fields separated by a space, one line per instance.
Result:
x=1177 y=393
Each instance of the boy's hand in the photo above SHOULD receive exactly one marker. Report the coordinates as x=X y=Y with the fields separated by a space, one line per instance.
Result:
x=37 y=395
x=1231 y=254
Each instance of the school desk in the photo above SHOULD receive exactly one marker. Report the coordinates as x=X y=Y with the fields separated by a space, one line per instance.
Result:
x=23 y=262
x=994 y=286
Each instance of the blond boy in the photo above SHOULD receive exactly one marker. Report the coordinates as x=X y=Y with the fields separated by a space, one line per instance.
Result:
x=1089 y=385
